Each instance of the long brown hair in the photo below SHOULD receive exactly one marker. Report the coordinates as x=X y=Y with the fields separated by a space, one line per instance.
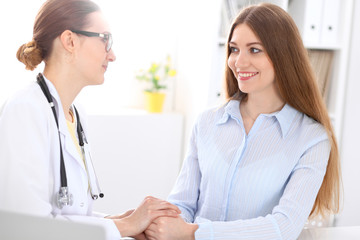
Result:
x=53 y=18
x=296 y=82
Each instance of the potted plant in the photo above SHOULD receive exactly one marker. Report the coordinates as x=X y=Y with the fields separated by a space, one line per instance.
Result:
x=155 y=77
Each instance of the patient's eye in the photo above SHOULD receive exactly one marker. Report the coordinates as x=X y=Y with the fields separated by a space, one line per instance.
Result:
x=233 y=49
x=255 y=50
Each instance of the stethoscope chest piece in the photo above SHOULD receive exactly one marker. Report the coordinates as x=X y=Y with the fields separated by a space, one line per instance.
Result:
x=64 y=198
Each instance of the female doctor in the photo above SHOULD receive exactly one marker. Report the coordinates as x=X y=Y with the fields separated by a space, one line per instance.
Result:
x=45 y=164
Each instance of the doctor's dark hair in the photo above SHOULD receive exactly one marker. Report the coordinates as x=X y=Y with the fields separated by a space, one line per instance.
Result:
x=296 y=82
x=53 y=18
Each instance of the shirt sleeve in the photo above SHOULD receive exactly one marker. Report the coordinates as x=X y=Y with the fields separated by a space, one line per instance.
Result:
x=289 y=216
x=185 y=193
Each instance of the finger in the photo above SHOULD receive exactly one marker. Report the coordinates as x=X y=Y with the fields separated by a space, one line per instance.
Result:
x=168 y=205
x=150 y=234
x=151 y=228
x=140 y=236
x=164 y=213
x=128 y=212
x=151 y=201
x=151 y=237
x=154 y=199
x=162 y=205
x=151 y=198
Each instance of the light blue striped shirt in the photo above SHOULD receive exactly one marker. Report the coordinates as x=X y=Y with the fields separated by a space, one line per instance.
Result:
x=260 y=185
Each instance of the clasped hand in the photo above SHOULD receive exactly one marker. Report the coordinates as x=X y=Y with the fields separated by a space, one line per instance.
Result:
x=154 y=219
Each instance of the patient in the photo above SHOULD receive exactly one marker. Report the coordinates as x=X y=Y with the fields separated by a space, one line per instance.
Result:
x=261 y=164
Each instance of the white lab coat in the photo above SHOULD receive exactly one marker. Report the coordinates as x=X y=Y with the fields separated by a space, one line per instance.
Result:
x=30 y=161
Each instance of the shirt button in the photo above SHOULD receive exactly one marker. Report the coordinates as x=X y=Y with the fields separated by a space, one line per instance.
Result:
x=82 y=204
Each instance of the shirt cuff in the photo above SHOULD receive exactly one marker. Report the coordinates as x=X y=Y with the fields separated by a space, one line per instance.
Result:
x=205 y=230
x=99 y=214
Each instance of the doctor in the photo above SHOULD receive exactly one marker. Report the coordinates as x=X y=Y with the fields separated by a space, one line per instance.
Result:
x=45 y=163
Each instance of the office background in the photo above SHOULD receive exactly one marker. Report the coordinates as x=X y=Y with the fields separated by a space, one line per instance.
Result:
x=139 y=154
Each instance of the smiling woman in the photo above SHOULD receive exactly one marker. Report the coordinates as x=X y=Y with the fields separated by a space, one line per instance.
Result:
x=269 y=149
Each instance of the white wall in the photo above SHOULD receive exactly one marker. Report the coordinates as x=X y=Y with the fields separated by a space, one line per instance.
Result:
x=350 y=156
x=198 y=21
x=143 y=31
x=135 y=154
x=16 y=24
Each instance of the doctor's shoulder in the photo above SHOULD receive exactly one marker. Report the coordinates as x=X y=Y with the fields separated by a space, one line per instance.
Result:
x=24 y=104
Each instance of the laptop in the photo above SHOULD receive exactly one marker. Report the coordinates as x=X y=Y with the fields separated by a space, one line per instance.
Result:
x=15 y=226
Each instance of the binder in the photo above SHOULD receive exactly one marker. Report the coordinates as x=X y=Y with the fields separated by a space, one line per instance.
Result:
x=313 y=21
x=330 y=26
x=307 y=15
x=318 y=22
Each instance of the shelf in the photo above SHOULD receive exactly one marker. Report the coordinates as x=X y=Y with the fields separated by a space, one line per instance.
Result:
x=323 y=47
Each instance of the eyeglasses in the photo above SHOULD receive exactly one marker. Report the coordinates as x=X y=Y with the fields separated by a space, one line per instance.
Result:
x=106 y=36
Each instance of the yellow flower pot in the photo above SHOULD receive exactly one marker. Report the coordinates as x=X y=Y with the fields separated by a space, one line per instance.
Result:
x=154 y=102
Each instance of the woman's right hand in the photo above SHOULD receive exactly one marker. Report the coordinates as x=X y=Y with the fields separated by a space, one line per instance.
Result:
x=150 y=209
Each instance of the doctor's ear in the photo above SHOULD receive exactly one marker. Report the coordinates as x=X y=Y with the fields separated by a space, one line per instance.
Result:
x=69 y=40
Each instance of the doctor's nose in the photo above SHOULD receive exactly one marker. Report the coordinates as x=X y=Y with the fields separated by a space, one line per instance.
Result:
x=111 y=56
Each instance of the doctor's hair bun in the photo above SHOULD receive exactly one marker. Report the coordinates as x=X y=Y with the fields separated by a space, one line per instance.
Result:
x=30 y=55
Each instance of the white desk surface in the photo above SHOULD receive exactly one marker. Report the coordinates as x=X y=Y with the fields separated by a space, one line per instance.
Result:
x=331 y=233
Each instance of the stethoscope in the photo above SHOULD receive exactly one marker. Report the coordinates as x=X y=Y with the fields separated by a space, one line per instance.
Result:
x=63 y=197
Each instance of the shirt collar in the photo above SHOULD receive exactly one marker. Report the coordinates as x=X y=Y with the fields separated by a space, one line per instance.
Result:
x=285 y=116
x=231 y=109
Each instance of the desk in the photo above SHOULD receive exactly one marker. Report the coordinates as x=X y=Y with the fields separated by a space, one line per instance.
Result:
x=331 y=233
x=20 y=226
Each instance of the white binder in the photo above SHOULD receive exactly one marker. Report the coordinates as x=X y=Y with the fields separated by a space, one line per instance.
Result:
x=312 y=22
x=318 y=22
x=308 y=17
x=330 y=25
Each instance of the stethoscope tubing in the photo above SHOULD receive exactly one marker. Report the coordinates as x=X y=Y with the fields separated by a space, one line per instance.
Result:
x=65 y=197
x=45 y=89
